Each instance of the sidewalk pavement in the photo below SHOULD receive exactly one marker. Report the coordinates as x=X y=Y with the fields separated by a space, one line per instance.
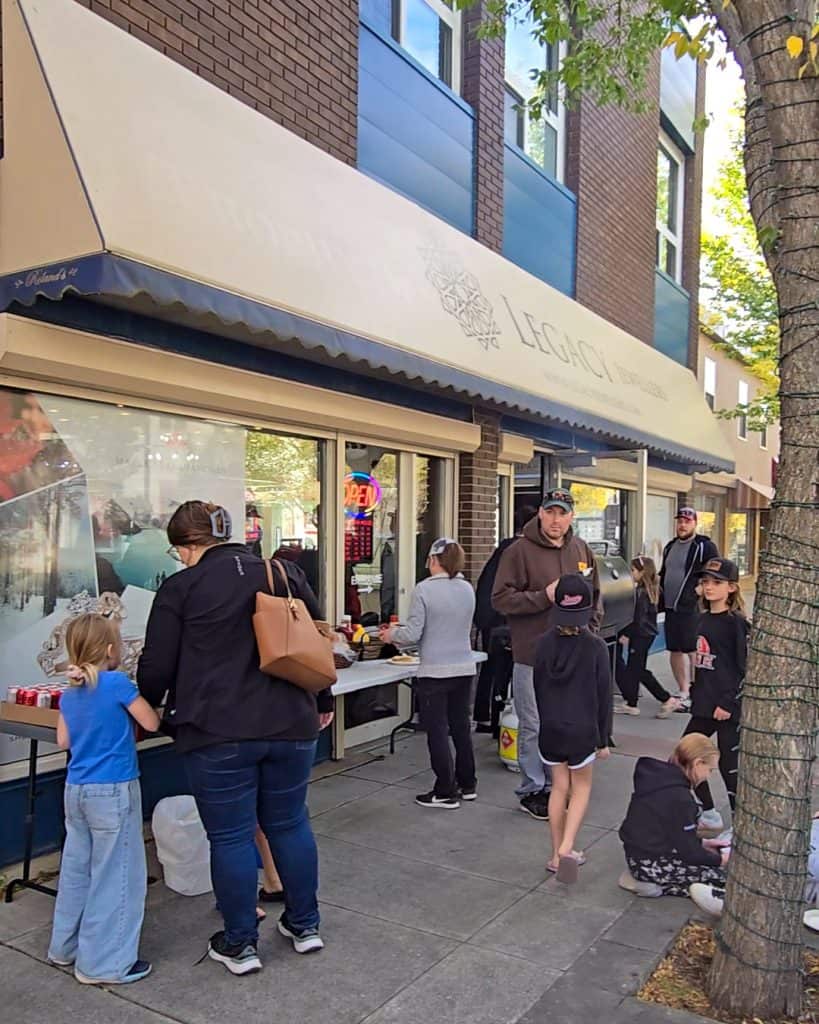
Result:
x=428 y=916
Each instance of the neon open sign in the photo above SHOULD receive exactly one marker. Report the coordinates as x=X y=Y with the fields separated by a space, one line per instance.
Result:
x=362 y=495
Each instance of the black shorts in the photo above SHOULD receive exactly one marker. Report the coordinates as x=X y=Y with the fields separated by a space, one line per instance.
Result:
x=576 y=759
x=681 y=631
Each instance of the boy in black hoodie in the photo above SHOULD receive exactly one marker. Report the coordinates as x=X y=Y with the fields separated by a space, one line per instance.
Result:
x=572 y=682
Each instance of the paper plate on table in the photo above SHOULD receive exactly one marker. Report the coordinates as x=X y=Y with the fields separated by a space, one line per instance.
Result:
x=810 y=920
x=404 y=659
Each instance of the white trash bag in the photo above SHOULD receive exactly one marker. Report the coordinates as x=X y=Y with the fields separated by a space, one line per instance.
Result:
x=182 y=845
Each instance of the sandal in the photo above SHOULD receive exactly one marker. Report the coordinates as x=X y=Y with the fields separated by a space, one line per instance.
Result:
x=260 y=914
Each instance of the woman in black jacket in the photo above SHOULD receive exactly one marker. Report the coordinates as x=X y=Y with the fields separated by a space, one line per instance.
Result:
x=659 y=834
x=639 y=636
x=248 y=740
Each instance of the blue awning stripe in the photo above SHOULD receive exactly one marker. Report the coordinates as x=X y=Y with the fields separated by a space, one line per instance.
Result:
x=104 y=276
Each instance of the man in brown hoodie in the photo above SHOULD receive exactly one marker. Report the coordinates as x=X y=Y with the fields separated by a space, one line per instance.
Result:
x=524 y=592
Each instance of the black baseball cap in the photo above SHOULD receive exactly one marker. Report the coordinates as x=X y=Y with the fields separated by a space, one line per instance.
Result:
x=558 y=498
x=686 y=512
x=574 y=601
x=720 y=569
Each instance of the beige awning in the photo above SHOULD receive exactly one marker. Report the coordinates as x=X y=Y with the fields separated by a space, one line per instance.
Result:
x=131 y=180
x=750 y=494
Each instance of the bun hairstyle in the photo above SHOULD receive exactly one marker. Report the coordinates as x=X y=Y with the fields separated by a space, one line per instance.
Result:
x=91 y=641
x=199 y=524
x=692 y=748
x=648 y=576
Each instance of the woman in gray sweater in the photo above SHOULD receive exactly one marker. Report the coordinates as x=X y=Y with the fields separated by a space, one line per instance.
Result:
x=439 y=621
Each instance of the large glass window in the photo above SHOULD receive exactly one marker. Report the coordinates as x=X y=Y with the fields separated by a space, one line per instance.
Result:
x=659 y=525
x=542 y=139
x=599 y=517
x=739 y=541
x=670 y=174
x=427 y=29
x=86 y=492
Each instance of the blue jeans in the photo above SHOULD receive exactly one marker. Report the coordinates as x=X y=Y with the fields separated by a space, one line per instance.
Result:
x=534 y=774
x=236 y=784
x=101 y=893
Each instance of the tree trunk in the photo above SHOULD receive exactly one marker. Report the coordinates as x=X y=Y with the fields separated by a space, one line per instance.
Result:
x=758 y=962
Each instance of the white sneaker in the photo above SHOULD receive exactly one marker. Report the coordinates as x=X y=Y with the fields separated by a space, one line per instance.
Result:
x=668 y=708
x=649 y=890
x=683 y=705
x=306 y=941
x=702 y=896
x=625 y=709
x=725 y=838
x=711 y=821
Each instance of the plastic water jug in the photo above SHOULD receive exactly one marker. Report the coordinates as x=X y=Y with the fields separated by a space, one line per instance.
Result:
x=182 y=845
x=508 y=741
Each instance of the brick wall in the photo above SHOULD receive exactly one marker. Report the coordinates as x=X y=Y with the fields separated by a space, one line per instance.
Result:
x=692 y=221
x=478 y=495
x=296 y=61
x=483 y=65
x=611 y=166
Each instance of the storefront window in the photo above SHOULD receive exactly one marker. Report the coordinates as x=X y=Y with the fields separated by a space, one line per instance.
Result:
x=370 y=533
x=86 y=493
x=503 y=527
x=710 y=512
x=659 y=525
x=598 y=516
x=738 y=549
x=429 y=513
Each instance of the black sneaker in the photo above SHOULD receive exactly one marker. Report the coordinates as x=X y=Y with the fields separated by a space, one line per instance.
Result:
x=239 y=959
x=468 y=794
x=139 y=970
x=271 y=897
x=536 y=804
x=307 y=940
x=450 y=803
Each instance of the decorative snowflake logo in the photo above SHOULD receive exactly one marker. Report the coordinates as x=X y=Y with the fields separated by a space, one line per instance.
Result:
x=461 y=296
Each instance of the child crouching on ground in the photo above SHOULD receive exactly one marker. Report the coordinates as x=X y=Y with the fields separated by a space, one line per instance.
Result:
x=101 y=893
x=573 y=691
x=659 y=834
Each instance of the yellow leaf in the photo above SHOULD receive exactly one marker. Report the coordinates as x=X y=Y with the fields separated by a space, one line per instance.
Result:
x=815 y=32
x=795 y=45
x=726 y=3
x=803 y=69
x=671 y=38
x=814 y=48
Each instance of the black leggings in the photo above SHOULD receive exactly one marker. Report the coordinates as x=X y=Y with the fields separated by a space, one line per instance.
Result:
x=728 y=743
x=631 y=674
x=443 y=705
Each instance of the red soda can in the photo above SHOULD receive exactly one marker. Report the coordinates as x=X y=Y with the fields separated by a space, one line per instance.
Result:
x=56 y=693
x=43 y=699
x=31 y=698
x=11 y=694
x=21 y=695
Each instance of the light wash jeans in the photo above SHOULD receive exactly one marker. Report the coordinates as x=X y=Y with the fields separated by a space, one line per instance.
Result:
x=534 y=774
x=103 y=880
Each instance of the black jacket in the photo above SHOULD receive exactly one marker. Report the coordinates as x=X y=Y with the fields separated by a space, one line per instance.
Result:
x=702 y=549
x=573 y=691
x=719 y=663
x=485 y=615
x=200 y=648
x=644 y=623
x=661 y=820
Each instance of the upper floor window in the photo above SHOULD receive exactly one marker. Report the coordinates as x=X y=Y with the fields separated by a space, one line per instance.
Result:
x=429 y=30
x=709 y=374
x=763 y=437
x=742 y=402
x=542 y=140
x=670 y=176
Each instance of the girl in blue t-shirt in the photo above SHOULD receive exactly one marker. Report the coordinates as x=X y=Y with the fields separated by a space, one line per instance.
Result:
x=101 y=895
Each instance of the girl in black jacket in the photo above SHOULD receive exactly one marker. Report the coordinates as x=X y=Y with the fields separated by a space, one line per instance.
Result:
x=659 y=834
x=639 y=636
x=719 y=669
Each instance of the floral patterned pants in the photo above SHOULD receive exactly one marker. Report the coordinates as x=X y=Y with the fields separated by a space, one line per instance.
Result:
x=674 y=875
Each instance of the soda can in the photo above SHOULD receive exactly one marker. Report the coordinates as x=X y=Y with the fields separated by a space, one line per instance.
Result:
x=43 y=699
x=56 y=693
x=31 y=698
x=11 y=694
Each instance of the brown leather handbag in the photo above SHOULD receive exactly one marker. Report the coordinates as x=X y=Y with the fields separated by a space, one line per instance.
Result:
x=290 y=645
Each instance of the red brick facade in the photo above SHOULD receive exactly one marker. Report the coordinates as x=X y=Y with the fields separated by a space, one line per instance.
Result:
x=295 y=61
x=611 y=166
x=483 y=90
x=478 y=496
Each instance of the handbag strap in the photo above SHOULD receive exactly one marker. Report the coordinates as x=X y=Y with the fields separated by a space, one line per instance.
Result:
x=285 y=580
